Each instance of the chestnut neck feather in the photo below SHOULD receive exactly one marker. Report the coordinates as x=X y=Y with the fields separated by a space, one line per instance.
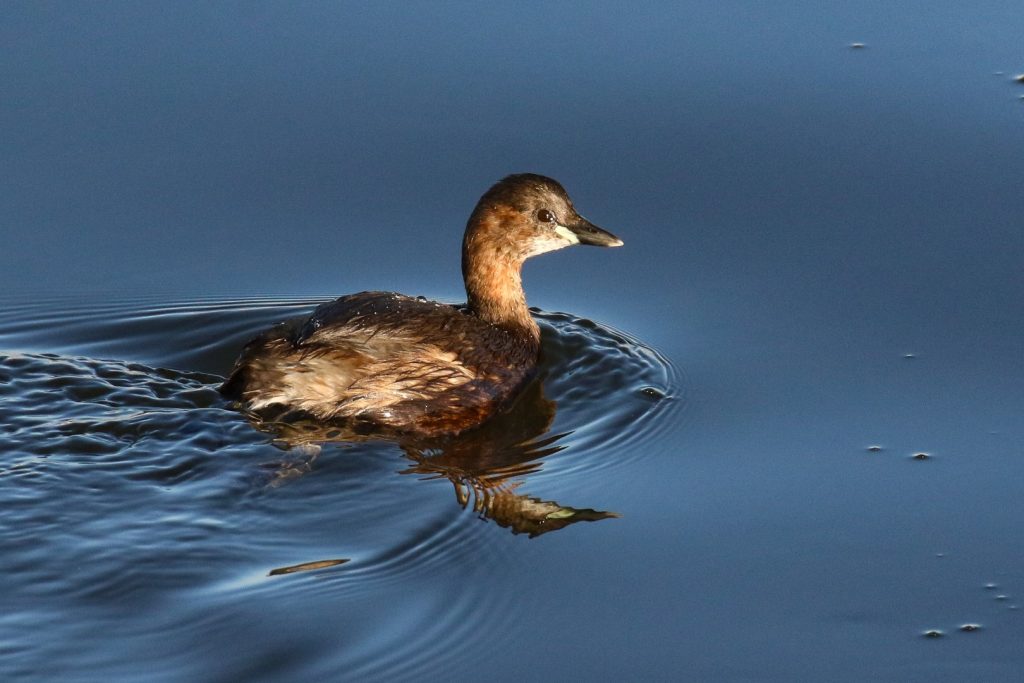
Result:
x=492 y=264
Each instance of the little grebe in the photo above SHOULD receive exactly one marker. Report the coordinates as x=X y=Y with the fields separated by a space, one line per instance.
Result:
x=387 y=362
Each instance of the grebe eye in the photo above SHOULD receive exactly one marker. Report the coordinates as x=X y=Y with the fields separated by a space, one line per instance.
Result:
x=545 y=216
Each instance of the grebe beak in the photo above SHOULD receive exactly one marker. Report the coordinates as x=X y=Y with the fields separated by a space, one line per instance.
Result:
x=582 y=231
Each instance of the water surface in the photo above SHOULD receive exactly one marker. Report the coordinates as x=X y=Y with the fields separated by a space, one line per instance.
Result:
x=139 y=502
x=822 y=255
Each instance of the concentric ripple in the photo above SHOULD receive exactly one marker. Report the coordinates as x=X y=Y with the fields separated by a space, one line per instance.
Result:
x=614 y=393
x=162 y=518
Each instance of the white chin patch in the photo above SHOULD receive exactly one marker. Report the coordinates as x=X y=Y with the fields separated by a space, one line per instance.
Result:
x=568 y=234
x=563 y=237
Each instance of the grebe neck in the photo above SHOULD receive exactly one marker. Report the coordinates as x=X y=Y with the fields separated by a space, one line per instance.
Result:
x=494 y=286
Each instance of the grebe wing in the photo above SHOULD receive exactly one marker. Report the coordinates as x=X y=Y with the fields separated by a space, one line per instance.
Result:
x=381 y=312
x=389 y=358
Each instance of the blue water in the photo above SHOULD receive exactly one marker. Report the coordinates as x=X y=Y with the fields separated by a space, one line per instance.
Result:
x=822 y=254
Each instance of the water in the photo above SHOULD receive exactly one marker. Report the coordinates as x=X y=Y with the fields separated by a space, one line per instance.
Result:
x=820 y=280
x=166 y=521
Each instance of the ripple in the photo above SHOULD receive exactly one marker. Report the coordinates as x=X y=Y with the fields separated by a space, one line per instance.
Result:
x=614 y=394
x=203 y=335
x=131 y=488
x=84 y=482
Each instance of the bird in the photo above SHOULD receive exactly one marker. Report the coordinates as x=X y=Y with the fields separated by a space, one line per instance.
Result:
x=387 y=363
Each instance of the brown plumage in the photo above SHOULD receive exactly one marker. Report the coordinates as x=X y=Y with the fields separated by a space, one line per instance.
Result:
x=385 y=362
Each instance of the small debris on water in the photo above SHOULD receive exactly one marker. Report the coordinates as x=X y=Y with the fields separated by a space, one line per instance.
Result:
x=305 y=567
x=652 y=393
x=968 y=628
x=857 y=46
x=921 y=456
x=874 y=449
x=934 y=633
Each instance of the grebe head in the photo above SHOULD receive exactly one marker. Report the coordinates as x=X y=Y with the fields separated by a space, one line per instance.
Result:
x=525 y=215
x=521 y=216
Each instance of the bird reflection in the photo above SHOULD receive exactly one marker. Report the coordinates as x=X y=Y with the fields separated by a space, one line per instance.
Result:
x=486 y=466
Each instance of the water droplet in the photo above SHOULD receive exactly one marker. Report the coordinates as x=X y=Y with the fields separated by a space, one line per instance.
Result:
x=934 y=633
x=874 y=449
x=970 y=627
x=921 y=456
